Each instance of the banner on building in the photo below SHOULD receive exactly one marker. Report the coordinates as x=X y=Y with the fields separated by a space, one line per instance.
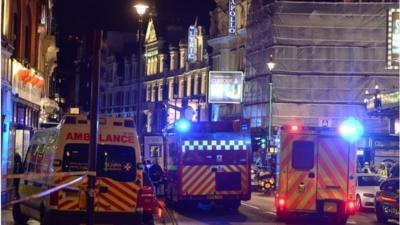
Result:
x=225 y=87
x=393 y=39
x=232 y=17
x=192 y=45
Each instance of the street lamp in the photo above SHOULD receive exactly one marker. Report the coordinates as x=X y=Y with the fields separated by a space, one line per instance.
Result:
x=271 y=66
x=141 y=10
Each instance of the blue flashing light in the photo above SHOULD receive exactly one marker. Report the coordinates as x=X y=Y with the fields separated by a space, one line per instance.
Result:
x=183 y=126
x=351 y=129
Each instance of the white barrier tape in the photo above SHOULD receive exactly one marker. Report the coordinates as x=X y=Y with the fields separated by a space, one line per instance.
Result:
x=47 y=192
x=38 y=175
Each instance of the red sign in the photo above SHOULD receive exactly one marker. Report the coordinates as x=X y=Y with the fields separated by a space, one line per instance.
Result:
x=116 y=138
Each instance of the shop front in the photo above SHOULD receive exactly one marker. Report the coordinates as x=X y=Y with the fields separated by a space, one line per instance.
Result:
x=20 y=117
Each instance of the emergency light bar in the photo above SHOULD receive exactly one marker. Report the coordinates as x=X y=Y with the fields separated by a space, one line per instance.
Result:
x=351 y=129
x=182 y=125
x=294 y=128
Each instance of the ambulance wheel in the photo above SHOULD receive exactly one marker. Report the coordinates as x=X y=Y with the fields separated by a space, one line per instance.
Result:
x=44 y=219
x=232 y=205
x=281 y=216
x=18 y=217
x=148 y=218
x=339 y=220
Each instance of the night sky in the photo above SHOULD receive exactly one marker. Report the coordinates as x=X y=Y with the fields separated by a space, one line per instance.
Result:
x=74 y=18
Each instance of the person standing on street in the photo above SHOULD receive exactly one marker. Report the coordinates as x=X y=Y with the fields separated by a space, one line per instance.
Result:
x=17 y=170
x=366 y=168
x=156 y=175
x=382 y=170
x=395 y=170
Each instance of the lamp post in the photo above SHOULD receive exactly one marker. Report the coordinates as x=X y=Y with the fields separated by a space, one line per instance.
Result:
x=141 y=10
x=271 y=66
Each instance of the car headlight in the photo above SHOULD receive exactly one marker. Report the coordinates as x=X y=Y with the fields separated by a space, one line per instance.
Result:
x=369 y=195
x=252 y=171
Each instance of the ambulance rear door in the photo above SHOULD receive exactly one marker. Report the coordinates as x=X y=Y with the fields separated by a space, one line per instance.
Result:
x=298 y=160
x=335 y=167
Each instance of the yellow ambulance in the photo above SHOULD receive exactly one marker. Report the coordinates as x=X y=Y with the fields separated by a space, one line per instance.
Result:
x=64 y=149
x=316 y=172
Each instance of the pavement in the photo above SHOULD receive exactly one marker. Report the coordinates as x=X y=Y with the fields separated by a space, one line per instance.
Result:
x=257 y=211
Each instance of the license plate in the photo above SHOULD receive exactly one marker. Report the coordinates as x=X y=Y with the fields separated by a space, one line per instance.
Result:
x=330 y=207
x=214 y=196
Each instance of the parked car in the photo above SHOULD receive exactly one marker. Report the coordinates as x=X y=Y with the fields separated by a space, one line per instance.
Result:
x=387 y=201
x=366 y=187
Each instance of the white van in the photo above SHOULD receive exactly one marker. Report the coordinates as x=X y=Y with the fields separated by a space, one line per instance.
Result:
x=65 y=149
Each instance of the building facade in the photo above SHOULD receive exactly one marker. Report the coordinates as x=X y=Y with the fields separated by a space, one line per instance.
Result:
x=119 y=73
x=228 y=33
x=176 y=72
x=326 y=55
x=28 y=59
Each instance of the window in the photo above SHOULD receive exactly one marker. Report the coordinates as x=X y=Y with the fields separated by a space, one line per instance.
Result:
x=369 y=180
x=391 y=186
x=303 y=155
x=116 y=162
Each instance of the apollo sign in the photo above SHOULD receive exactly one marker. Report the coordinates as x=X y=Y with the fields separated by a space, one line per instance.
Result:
x=232 y=17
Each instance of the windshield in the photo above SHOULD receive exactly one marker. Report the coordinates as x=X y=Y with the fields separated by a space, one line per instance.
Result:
x=369 y=180
x=116 y=162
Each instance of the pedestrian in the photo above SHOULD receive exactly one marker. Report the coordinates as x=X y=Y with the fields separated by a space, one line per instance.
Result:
x=389 y=169
x=395 y=170
x=156 y=175
x=382 y=170
x=366 y=168
x=18 y=169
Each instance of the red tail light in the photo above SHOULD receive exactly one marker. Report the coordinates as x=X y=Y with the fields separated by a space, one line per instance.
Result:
x=280 y=202
x=294 y=128
x=54 y=198
x=351 y=207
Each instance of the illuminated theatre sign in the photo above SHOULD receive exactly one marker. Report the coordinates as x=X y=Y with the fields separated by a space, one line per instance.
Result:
x=192 y=44
x=232 y=17
x=393 y=39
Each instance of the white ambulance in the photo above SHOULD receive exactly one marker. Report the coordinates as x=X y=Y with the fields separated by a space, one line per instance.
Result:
x=119 y=185
x=316 y=172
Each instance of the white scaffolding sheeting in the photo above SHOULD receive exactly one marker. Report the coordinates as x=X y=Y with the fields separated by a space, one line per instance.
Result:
x=326 y=55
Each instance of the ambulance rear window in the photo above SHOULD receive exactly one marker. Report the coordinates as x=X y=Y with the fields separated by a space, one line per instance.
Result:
x=116 y=162
x=303 y=155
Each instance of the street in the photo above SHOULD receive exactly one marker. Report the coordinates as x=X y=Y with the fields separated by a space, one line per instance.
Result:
x=259 y=210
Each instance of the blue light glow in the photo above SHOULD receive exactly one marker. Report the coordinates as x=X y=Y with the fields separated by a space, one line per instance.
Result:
x=182 y=126
x=351 y=129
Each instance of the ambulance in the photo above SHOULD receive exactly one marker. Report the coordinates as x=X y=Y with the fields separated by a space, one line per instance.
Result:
x=316 y=171
x=119 y=195
x=208 y=162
